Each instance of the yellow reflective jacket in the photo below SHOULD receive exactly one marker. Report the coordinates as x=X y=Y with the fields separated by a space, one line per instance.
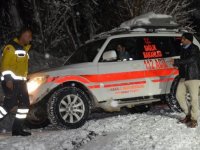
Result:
x=14 y=60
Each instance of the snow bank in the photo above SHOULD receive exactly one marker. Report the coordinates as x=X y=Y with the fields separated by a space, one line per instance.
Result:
x=149 y=19
x=155 y=130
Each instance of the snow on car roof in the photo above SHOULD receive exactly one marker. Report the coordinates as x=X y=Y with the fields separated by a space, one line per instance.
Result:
x=143 y=23
x=150 y=19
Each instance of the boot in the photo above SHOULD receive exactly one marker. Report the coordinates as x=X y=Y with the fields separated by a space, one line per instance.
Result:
x=186 y=119
x=17 y=129
x=20 y=133
x=192 y=124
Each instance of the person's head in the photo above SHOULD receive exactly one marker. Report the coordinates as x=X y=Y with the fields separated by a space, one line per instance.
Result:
x=121 y=47
x=25 y=36
x=187 y=38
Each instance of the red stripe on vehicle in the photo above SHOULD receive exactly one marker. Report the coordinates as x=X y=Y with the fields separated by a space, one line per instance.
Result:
x=94 y=87
x=71 y=78
x=124 y=84
x=86 y=79
x=50 y=79
x=164 y=80
x=130 y=75
x=117 y=84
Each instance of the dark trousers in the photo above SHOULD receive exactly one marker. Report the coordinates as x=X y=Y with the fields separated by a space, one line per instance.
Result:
x=18 y=97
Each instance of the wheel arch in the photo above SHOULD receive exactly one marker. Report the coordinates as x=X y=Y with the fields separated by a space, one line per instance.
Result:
x=170 y=86
x=175 y=84
x=171 y=97
x=76 y=84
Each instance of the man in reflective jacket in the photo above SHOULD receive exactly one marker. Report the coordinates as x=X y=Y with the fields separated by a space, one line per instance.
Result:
x=189 y=68
x=14 y=69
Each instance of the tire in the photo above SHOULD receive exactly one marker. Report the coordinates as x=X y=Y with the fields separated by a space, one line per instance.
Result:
x=32 y=124
x=37 y=118
x=171 y=98
x=68 y=107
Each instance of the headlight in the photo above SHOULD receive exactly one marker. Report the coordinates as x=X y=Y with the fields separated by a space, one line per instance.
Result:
x=35 y=82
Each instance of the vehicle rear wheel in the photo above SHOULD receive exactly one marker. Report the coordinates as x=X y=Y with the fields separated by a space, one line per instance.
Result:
x=69 y=107
x=171 y=98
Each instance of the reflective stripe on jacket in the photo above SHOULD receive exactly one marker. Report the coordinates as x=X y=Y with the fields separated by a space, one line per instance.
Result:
x=14 y=60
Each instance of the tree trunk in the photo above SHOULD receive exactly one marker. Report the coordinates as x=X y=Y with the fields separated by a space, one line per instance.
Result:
x=75 y=28
x=89 y=18
x=15 y=16
x=138 y=6
x=39 y=22
x=71 y=36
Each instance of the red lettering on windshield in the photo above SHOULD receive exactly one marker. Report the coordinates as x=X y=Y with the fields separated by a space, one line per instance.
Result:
x=147 y=41
x=150 y=47
x=150 y=50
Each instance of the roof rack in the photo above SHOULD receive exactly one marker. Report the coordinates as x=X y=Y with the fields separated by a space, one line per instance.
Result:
x=157 y=22
x=148 y=23
x=156 y=25
x=112 y=32
x=152 y=28
x=146 y=29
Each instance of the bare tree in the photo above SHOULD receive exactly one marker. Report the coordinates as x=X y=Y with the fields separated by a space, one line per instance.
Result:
x=11 y=21
x=61 y=26
x=133 y=7
x=38 y=21
x=88 y=11
x=16 y=19
x=179 y=9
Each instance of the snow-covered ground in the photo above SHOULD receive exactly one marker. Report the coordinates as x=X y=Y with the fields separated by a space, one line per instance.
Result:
x=157 y=129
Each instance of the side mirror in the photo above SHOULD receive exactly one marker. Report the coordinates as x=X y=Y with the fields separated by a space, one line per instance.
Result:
x=110 y=55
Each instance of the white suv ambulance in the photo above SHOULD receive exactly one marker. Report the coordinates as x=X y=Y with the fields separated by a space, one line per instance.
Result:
x=94 y=76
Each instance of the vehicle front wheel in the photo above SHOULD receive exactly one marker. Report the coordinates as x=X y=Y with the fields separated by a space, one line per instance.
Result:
x=171 y=98
x=69 y=107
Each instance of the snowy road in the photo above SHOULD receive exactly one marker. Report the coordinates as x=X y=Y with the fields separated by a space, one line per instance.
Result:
x=156 y=130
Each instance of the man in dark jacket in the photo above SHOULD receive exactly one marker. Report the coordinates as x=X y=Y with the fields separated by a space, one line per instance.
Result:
x=123 y=55
x=190 y=80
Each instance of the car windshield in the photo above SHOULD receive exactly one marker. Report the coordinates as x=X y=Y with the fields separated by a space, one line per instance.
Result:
x=86 y=53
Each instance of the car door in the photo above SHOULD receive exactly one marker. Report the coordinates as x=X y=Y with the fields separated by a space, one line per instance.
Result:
x=157 y=53
x=121 y=79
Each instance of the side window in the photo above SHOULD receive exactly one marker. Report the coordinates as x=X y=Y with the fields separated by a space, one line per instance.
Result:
x=122 y=47
x=176 y=42
x=140 y=48
x=157 y=47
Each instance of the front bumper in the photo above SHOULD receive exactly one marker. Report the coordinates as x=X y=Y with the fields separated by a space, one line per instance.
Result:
x=43 y=90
